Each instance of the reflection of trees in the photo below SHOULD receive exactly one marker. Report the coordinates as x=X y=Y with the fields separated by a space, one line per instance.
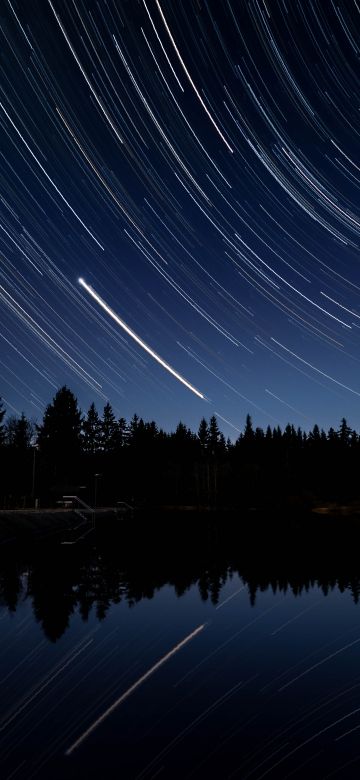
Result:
x=63 y=581
x=10 y=584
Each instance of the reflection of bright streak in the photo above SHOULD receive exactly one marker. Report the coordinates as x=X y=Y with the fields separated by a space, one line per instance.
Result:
x=133 y=688
x=138 y=340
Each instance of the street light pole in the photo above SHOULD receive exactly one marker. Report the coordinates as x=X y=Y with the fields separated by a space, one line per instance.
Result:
x=95 y=489
x=33 y=475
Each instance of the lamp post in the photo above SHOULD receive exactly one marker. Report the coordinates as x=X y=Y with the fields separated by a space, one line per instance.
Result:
x=35 y=447
x=96 y=477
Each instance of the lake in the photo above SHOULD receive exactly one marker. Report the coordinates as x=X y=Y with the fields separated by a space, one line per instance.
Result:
x=185 y=652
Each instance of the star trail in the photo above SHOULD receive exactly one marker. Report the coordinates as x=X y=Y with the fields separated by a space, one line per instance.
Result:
x=197 y=163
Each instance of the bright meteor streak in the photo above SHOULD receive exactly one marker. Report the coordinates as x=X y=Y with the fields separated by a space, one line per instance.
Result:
x=133 y=688
x=138 y=340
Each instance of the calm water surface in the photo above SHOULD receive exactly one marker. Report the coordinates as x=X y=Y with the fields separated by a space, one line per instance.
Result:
x=180 y=658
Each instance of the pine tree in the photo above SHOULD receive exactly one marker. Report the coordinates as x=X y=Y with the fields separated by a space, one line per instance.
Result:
x=109 y=430
x=288 y=433
x=248 y=430
x=239 y=440
x=10 y=430
x=332 y=435
x=344 y=432
x=92 y=432
x=315 y=433
x=203 y=433
x=214 y=433
x=151 y=431
x=23 y=434
x=59 y=436
x=140 y=433
x=123 y=433
x=182 y=433
x=133 y=429
x=2 y=426
x=222 y=445
x=354 y=439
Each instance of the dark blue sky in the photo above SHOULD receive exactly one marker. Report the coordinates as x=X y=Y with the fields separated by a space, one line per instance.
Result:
x=197 y=164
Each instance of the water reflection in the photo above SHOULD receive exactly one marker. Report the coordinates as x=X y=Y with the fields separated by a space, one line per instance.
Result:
x=130 y=566
x=227 y=652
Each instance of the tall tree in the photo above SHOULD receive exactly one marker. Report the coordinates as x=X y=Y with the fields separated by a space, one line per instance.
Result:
x=354 y=439
x=248 y=430
x=133 y=429
x=59 y=435
x=315 y=433
x=123 y=432
x=23 y=433
x=2 y=426
x=344 y=432
x=151 y=432
x=277 y=433
x=217 y=442
x=10 y=430
x=332 y=436
x=109 y=430
x=203 y=433
x=214 y=432
x=92 y=432
x=182 y=433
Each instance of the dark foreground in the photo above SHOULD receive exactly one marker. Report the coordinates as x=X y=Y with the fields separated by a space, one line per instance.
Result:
x=183 y=652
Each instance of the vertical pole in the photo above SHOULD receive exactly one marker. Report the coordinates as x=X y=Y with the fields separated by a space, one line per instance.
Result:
x=33 y=476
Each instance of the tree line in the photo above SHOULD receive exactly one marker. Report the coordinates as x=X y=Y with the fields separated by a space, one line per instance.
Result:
x=139 y=462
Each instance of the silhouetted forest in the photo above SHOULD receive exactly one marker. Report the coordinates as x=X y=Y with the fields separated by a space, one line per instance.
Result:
x=87 y=580
x=103 y=460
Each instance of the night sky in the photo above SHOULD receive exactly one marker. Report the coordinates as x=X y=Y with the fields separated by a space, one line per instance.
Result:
x=197 y=164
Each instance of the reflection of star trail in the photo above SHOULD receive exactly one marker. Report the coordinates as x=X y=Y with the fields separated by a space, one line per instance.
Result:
x=202 y=158
x=48 y=679
x=133 y=688
x=138 y=340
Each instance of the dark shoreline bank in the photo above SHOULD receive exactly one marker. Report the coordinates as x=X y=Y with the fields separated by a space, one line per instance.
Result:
x=52 y=525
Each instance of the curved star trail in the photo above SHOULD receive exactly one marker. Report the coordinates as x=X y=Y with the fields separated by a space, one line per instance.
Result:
x=198 y=164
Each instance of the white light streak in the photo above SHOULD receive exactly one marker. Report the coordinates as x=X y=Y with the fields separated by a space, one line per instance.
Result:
x=197 y=93
x=346 y=387
x=138 y=340
x=49 y=177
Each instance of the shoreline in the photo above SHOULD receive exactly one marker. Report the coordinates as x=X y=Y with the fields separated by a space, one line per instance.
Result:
x=33 y=525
